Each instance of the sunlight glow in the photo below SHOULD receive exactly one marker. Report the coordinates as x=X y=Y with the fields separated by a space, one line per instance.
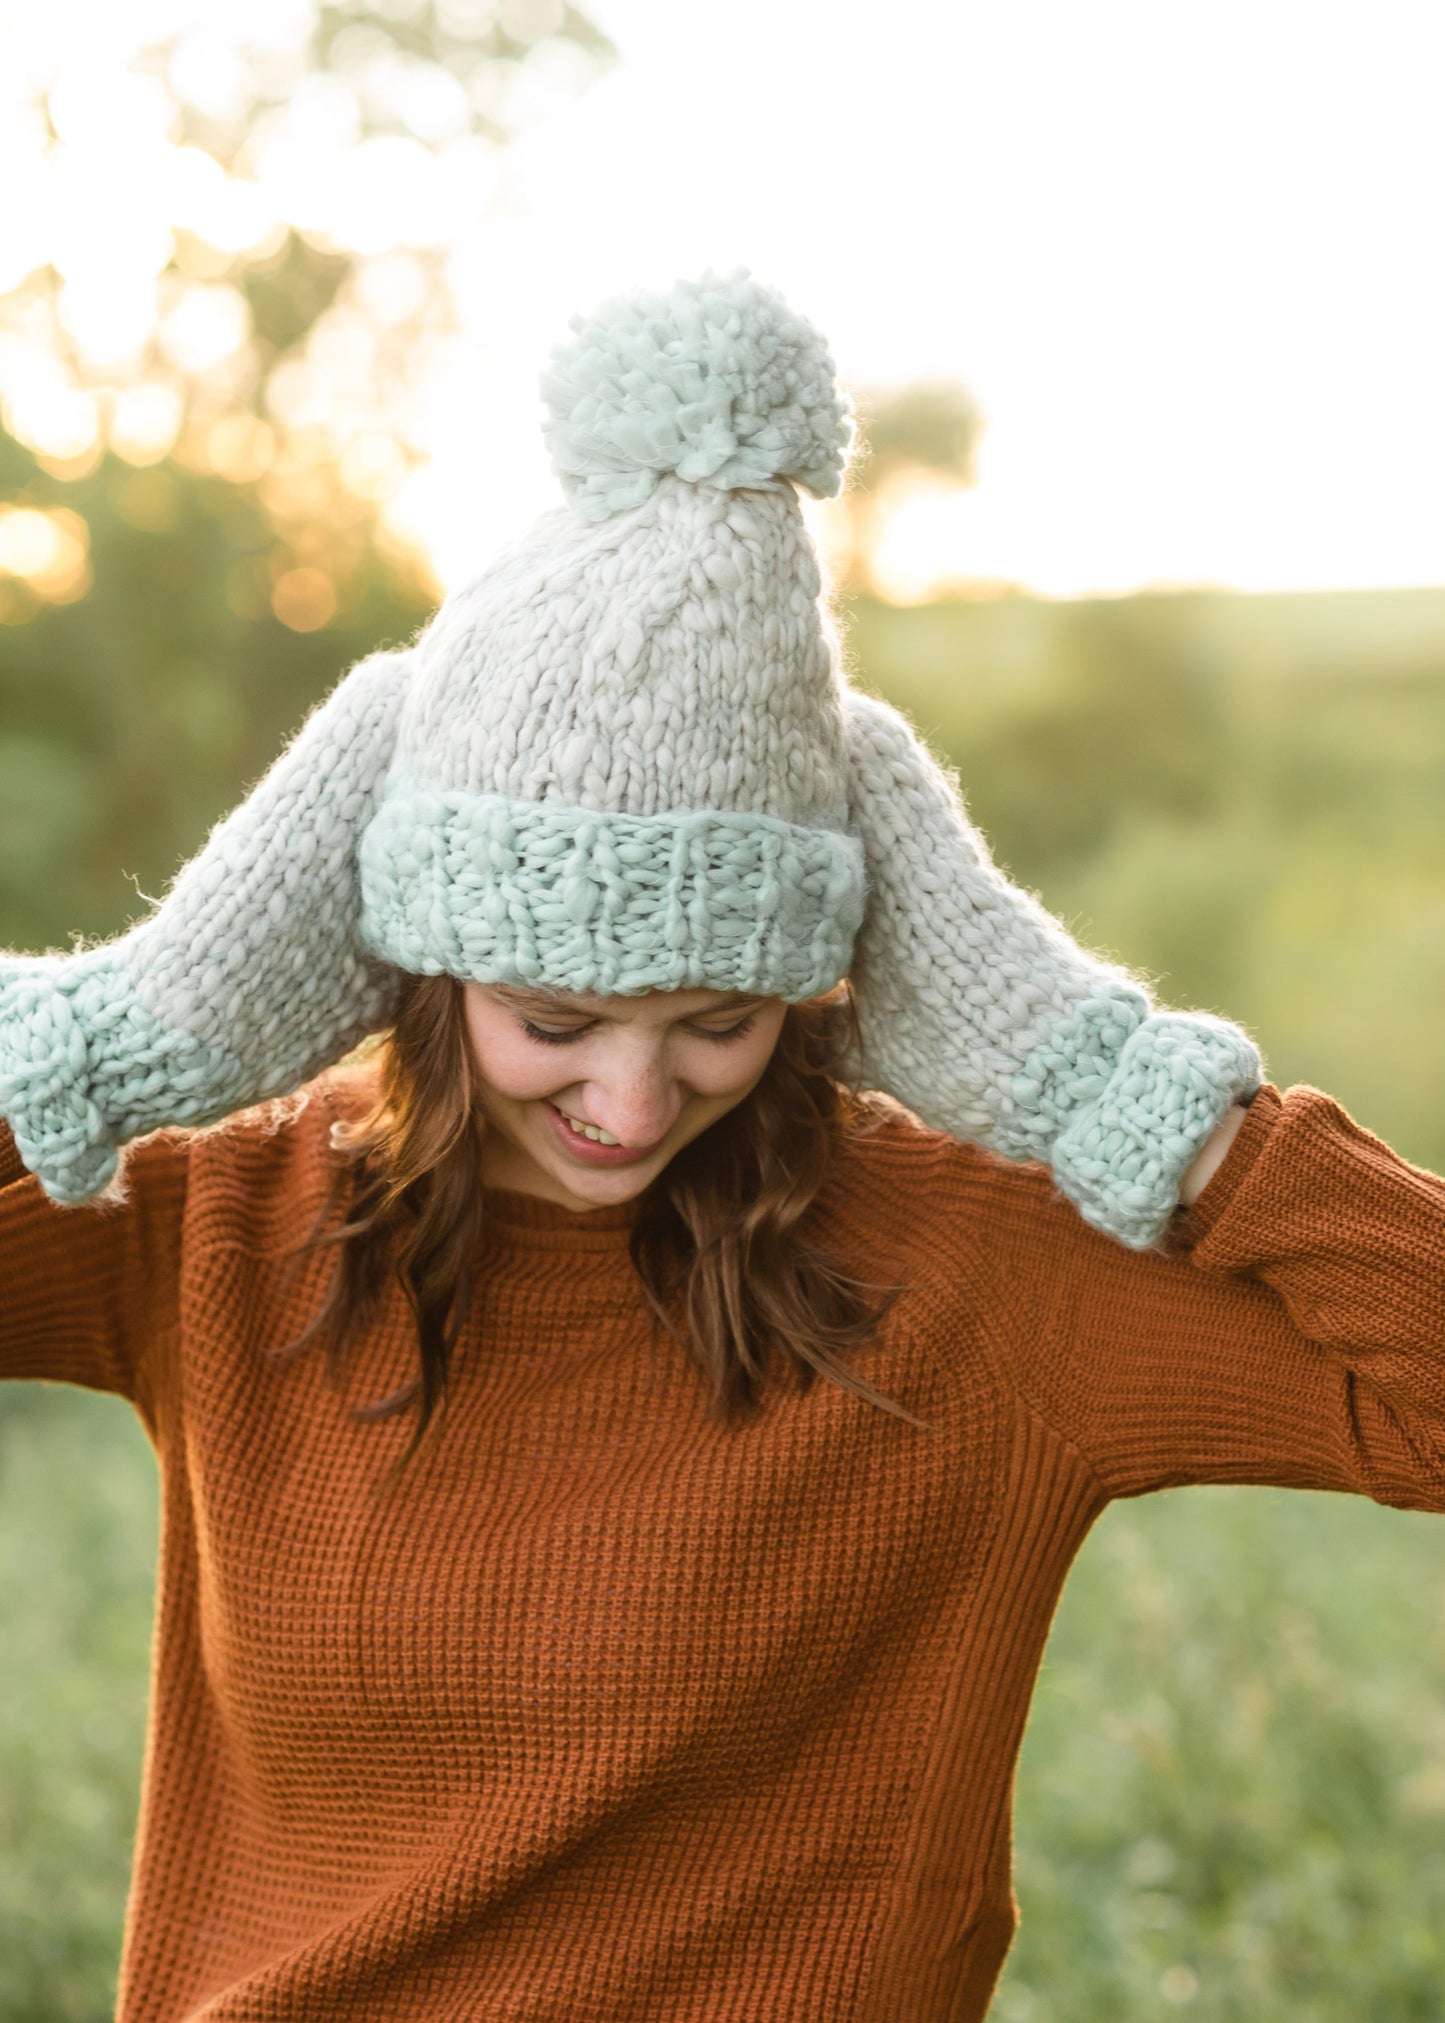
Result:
x=48 y=552
x=1182 y=257
x=145 y=422
x=304 y=599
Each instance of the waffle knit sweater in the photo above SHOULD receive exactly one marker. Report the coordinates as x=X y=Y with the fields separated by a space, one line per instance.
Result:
x=613 y=1714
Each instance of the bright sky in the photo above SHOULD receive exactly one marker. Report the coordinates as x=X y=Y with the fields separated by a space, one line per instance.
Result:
x=1184 y=253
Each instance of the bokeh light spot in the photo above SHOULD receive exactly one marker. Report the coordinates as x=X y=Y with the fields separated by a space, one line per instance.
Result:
x=304 y=599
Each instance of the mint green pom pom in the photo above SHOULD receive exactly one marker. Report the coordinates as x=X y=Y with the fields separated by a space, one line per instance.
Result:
x=718 y=381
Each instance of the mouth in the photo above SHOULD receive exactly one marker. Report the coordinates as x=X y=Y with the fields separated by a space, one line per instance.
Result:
x=590 y=1151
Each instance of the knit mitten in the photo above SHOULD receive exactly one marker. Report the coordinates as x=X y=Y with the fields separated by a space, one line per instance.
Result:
x=980 y=1014
x=248 y=979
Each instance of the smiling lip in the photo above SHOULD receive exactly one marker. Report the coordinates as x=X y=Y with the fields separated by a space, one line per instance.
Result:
x=588 y=1150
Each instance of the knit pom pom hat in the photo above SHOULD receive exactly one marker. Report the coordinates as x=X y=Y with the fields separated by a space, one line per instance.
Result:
x=619 y=766
x=620 y=760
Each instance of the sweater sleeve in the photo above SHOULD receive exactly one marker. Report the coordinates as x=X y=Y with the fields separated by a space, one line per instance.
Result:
x=1291 y=1331
x=85 y=1291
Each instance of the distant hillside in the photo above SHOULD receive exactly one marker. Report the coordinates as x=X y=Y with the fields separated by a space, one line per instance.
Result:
x=1241 y=797
x=1015 y=641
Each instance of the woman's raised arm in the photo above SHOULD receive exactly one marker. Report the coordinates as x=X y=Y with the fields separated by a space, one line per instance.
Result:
x=979 y=1011
x=1291 y=1329
x=88 y=1294
x=248 y=978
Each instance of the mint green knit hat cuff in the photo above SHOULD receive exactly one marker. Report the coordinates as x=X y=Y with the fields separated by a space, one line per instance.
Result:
x=497 y=890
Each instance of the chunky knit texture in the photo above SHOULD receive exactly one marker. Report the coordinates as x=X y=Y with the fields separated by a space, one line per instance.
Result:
x=717 y=380
x=613 y=1714
x=982 y=1015
x=249 y=979
x=620 y=903
x=621 y=767
x=623 y=759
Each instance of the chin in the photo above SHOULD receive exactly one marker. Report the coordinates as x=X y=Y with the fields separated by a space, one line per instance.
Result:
x=615 y=1183
x=616 y=1186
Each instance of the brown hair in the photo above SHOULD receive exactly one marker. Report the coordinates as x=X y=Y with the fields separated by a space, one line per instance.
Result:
x=716 y=1236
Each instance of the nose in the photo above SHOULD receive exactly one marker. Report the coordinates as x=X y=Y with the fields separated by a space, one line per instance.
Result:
x=637 y=1106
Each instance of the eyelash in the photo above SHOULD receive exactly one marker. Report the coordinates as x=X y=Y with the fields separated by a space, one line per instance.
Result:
x=564 y=1039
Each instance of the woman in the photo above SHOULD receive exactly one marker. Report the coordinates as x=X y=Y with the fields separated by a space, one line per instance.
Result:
x=536 y=1635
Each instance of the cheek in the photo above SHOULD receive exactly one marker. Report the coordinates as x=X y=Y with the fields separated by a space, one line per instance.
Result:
x=733 y=1069
x=524 y=1072
x=510 y=1063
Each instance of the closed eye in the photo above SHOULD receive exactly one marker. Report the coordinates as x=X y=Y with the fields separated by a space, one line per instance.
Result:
x=552 y=1039
x=730 y=1033
x=562 y=1039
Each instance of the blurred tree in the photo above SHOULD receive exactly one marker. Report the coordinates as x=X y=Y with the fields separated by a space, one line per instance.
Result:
x=215 y=336
x=132 y=717
x=926 y=432
x=251 y=257
x=931 y=425
x=1134 y=722
x=1070 y=721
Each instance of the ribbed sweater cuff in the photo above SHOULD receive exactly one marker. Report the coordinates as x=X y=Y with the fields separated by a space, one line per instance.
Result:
x=1191 y=1225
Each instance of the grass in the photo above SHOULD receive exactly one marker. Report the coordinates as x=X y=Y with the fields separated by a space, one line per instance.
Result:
x=78 y=1506
x=1231 y=1797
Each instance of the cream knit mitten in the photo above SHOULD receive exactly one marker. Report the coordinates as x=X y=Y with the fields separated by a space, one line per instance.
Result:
x=981 y=1015
x=248 y=978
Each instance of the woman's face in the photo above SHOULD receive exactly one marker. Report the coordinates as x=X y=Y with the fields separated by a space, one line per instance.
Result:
x=650 y=1071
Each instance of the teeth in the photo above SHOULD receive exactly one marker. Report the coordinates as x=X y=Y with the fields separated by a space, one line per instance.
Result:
x=592 y=1131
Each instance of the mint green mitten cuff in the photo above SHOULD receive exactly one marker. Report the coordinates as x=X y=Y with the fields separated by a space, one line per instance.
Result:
x=249 y=978
x=981 y=1014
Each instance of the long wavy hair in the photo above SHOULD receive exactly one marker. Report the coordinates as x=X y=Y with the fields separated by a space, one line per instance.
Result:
x=717 y=1241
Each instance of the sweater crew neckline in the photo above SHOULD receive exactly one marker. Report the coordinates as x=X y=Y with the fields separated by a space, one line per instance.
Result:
x=533 y=1222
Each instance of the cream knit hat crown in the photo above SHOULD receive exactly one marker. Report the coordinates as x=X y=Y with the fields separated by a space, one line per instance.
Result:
x=619 y=766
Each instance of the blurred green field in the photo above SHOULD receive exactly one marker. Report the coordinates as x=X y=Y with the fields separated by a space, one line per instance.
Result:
x=1243 y=796
x=1231 y=1802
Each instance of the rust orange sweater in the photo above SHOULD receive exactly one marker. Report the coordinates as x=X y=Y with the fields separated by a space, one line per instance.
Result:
x=613 y=1712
